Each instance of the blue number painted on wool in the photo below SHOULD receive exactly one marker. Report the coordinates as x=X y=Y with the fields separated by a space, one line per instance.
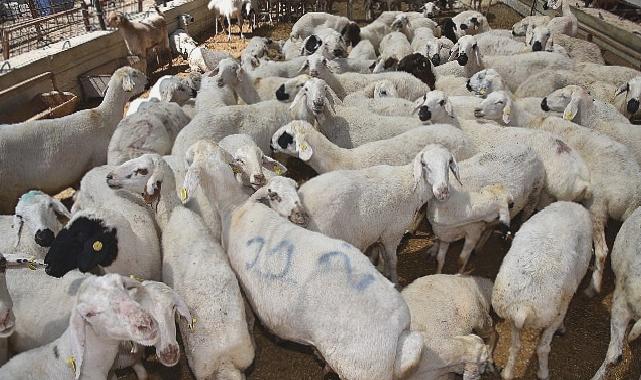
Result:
x=357 y=282
x=275 y=263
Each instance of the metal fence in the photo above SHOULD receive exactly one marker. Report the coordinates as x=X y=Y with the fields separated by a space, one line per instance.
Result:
x=26 y=25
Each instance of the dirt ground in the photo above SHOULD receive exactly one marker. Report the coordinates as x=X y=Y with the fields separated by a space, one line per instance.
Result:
x=575 y=356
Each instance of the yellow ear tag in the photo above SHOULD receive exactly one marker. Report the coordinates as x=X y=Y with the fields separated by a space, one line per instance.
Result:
x=71 y=363
x=32 y=263
x=235 y=169
x=303 y=147
x=193 y=322
x=567 y=115
x=136 y=277
x=482 y=91
x=97 y=246
x=278 y=170
x=183 y=194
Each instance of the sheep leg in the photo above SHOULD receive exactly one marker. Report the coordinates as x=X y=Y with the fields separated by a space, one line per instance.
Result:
x=618 y=325
x=390 y=245
x=228 y=27
x=433 y=250
x=240 y=20
x=515 y=347
x=141 y=372
x=470 y=242
x=600 y=253
x=442 y=252
x=543 y=349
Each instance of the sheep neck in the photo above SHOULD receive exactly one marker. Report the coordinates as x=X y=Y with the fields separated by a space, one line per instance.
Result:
x=565 y=8
x=333 y=82
x=327 y=156
x=113 y=105
x=519 y=117
x=168 y=200
x=98 y=356
x=246 y=90
x=227 y=192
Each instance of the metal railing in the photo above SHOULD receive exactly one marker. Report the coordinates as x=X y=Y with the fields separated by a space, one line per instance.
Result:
x=26 y=25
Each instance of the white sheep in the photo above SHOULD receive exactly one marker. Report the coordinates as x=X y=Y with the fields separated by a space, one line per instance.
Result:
x=366 y=212
x=167 y=89
x=286 y=69
x=547 y=81
x=103 y=315
x=300 y=139
x=577 y=105
x=251 y=166
x=491 y=44
x=470 y=22
x=202 y=60
x=363 y=50
x=276 y=275
x=180 y=36
x=257 y=48
x=152 y=129
x=217 y=341
x=420 y=38
x=521 y=27
x=374 y=32
x=310 y=21
x=380 y=98
x=394 y=47
x=625 y=302
x=539 y=275
x=448 y=311
x=214 y=93
x=430 y=10
x=629 y=105
x=50 y=155
x=466 y=215
x=566 y=174
x=615 y=176
x=228 y=9
x=567 y=23
x=31 y=229
x=541 y=38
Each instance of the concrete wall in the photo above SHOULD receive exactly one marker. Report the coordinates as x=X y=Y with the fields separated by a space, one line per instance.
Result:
x=86 y=53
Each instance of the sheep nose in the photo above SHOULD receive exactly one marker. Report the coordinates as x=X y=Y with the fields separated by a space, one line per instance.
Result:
x=513 y=32
x=478 y=112
x=633 y=106
x=442 y=192
x=536 y=46
x=424 y=113
x=44 y=238
x=468 y=86
x=313 y=73
x=545 y=5
x=258 y=179
x=110 y=176
x=281 y=94
x=298 y=216
x=462 y=59
x=170 y=355
x=544 y=104
x=436 y=59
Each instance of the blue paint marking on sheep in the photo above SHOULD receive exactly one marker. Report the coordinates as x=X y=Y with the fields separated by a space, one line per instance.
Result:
x=284 y=251
x=357 y=282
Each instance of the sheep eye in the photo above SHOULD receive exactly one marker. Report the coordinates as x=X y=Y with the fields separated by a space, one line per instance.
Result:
x=442 y=102
x=142 y=172
x=499 y=102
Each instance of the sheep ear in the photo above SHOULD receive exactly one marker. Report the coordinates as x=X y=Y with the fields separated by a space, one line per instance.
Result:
x=507 y=112
x=625 y=87
x=297 y=99
x=127 y=83
x=154 y=182
x=304 y=150
x=418 y=170
x=304 y=67
x=455 y=171
x=191 y=181
x=331 y=99
x=77 y=338
x=448 y=108
x=273 y=165
x=572 y=108
x=181 y=307
x=60 y=209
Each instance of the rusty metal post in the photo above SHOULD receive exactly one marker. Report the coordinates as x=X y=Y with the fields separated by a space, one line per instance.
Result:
x=5 y=44
x=35 y=15
x=85 y=15
x=101 y=19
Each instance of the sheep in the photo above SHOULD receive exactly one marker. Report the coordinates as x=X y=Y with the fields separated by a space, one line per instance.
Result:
x=249 y=161
x=629 y=105
x=214 y=94
x=431 y=10
x=567 y=23
x=408 y=86
x=541 y=37
x=529 y=22
x=346 y=127
x=108 y=229
x=152 y=129
x=103 y=315
x=401 y=24
x=611 y=74
x=52 y=154
x=470 y=22
x=282 y=197
x=547 y=81
x=448 y=311
x=311 y=21
x=625 y=302
x=179 y=37
x=466 y=215
x=37 y=291
x=566 y=174
x=374 y=33
x=329 y=41
x=202 y=60
x=615 y=175
x=219 y=344
x=285 y=91
x=536 y=282
x=389 y=216
x=286 y=69
x=380 y=98
x=394 y=47
x=256 y=48
x=228 y=9
x=31 y=230
x=301 y=140
x=273 y=288
x=363 y=50
x=468 y=59
x=140 y=36
x=577 y=105
x=438 y=50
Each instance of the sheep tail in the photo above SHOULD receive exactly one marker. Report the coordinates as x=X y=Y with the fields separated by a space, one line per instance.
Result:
x=635 y=331
x=520 y=316
x=408 y=352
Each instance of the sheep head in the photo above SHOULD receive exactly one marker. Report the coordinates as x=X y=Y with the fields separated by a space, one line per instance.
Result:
x=141 y=175
x=567 y=100
x=204 y=159
x=290 y=139
x=538 y=37
x=432 y=166
x=290 y=88
x=632 y=91
x=282 y=195
x=249 y=161
x=419 y=66
x=497 y=106
x=314 y=97
x=485 y=82
x=465 y=49
x=435 y=106
x=40 y=216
